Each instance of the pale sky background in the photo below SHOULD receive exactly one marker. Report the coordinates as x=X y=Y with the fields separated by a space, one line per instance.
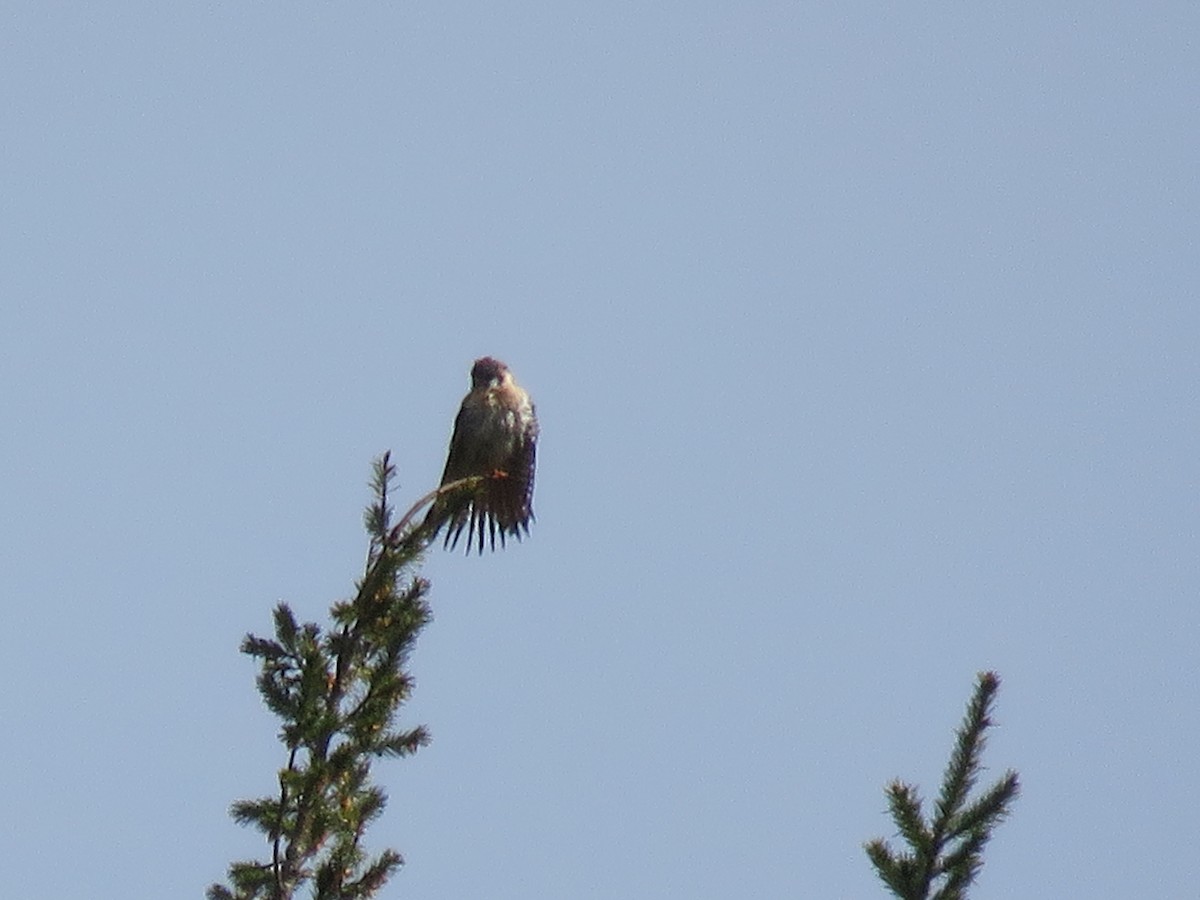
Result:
x=864 y=340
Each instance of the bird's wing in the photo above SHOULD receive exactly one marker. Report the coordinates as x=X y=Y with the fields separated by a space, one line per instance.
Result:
x=518 y=491
x=458 y=460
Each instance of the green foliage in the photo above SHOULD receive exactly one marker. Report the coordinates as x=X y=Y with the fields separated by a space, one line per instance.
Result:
x=945 y=853
x=337 y=692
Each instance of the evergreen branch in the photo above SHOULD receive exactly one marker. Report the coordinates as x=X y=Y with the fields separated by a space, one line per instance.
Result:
x=337 y=693
x=989 y=808
x=968 y=748
x=962 y=865
x=896 y=872
x=905 y=807
x=946 y=853
x=404 y=743
x=263 y=813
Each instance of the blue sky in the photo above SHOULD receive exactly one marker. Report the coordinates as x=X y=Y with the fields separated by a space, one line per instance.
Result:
x=864 y=344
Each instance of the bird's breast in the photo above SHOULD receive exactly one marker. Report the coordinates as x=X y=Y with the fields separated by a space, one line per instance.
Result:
x=497 y=428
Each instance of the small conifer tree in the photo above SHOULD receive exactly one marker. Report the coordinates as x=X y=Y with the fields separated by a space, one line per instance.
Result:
x=945 y=852
x=337 y=691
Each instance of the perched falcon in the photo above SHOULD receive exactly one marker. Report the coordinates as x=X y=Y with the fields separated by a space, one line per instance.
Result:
x=495 y=435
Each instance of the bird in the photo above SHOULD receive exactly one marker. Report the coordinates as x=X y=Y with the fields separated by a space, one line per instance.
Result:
x=495 y=436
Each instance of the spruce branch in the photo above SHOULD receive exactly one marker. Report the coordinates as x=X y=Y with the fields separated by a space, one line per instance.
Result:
x=945 y=853
x=337 y=691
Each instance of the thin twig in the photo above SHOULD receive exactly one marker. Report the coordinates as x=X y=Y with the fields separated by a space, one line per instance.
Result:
x=469 y=481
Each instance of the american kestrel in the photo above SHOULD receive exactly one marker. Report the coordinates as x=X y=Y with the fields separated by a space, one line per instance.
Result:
x=495 y=435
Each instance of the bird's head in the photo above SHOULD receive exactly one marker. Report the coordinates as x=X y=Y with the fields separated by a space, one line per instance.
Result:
x=488 y=373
